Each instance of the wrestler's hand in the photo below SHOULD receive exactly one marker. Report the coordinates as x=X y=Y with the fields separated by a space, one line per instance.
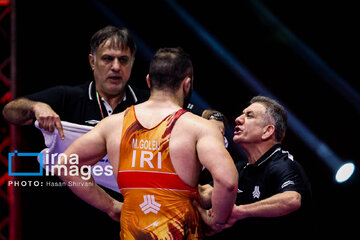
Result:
x=205 y=192
x=47 y=118
x=209 y=220
x=115 y=212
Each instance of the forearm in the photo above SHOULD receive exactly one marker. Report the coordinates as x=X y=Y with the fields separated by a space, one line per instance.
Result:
x=20 y=111
x=278 y=205
x=222 y=199
x=81 y=182
x=90 y=192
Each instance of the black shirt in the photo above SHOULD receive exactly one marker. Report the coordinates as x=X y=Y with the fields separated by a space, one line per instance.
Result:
x=275 y=172
x=78 y=104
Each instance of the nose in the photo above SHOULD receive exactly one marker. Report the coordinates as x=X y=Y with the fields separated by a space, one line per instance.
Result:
x=116 y=65
x=239 y=120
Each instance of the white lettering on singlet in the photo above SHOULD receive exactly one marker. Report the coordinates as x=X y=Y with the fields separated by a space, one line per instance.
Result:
x=146 y=156
x=146 y=144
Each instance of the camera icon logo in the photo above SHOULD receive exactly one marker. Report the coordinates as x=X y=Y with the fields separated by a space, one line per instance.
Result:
x=16 y=154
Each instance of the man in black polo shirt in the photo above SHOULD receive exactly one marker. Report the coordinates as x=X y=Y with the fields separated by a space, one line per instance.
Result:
x=274 y=193
x=112 y=54
x=111 y=59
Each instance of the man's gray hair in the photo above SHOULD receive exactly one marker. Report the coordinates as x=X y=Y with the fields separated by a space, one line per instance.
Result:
x=276 y=112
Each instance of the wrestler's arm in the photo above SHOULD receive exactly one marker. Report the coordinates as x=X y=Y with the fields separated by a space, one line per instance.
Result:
x=214 y=156
x=90 y=148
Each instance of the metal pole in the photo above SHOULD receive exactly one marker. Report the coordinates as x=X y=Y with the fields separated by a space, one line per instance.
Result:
x=15 y=226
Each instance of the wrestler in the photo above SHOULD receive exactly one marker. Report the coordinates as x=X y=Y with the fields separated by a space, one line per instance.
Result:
x=157 y=150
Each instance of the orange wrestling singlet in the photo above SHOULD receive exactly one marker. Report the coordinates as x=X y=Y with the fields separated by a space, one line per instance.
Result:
x=157 y=203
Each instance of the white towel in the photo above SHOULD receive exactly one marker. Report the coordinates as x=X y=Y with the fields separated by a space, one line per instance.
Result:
x=72 y=131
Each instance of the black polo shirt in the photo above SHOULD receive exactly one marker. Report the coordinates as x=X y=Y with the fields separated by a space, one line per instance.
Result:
x=78 y=104
x=275 y=172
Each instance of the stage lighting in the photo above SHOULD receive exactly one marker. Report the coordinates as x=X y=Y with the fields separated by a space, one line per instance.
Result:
x=4 y=2
x=304 y=133
x=344 y=172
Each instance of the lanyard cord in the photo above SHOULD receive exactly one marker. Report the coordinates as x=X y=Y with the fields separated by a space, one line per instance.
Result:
x=98 y=100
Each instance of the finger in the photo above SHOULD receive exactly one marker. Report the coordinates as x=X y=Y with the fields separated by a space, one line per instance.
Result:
x=46 y=124
x=51 y=126
x=40 y=124
x=210 y=212
x=59 y=127
x=202 y=211
x=204 y=214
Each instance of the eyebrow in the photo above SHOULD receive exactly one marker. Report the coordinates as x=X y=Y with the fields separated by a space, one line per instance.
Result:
x=251 y=113
x=248 y=111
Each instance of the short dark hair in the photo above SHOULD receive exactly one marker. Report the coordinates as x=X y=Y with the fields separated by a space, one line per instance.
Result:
x=277 y=113
x=214 y=114
x=118 y=36
x=169 y=67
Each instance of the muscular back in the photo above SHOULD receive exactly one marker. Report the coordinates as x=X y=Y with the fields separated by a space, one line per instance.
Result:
x=191 y=137
x=188 y=130
x=156 y=198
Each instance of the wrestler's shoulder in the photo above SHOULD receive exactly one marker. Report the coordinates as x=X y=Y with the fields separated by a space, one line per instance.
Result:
x=112 y=121
x=196 y=121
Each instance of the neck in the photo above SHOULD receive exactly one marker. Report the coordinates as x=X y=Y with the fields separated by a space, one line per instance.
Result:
x=255 y=151
x=165 y=97
x=113 y=101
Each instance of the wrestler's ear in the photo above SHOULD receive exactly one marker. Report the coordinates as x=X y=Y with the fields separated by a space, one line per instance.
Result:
x=92 y=61
x=187 y=84
x=268 y=132
x=148 y=81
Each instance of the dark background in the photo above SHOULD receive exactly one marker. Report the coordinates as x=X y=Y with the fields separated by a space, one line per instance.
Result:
x=53 y=46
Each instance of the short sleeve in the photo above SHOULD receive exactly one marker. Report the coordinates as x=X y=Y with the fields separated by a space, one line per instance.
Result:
x=54 y=97
x=288 y=175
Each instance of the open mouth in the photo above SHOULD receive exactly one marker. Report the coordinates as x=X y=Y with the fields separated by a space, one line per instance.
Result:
x=237 y=130
x=114 y=78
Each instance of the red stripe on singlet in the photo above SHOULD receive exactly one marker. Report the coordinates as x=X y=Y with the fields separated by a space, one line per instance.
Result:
x=155 y=180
